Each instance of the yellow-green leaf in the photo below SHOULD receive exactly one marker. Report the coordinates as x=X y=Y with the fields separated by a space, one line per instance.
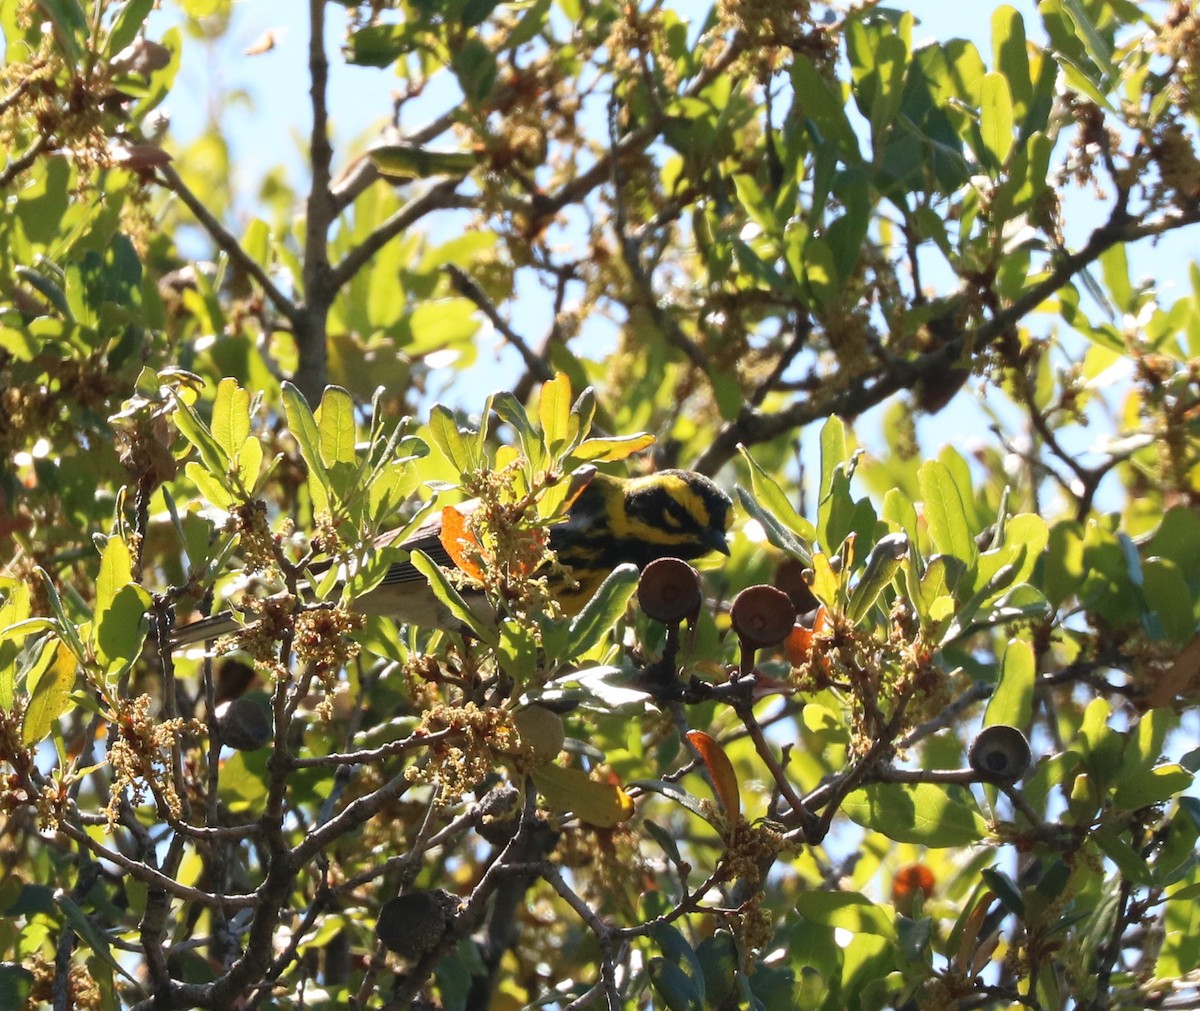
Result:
x=604 y=805
x=49 y=688
x=231 y=416
x=1012 y=701
x=922 y=813
x=554 y=411
x=996 y=117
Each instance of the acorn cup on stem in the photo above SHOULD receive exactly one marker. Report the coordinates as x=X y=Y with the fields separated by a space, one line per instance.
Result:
x=762 y=616
x=669 y=592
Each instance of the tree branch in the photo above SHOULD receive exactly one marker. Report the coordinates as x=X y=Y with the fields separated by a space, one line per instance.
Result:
x=754 y=426
x=226 y=241
x=438 y=197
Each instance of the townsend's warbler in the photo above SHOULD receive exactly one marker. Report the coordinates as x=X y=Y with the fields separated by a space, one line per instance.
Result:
x=674 y=513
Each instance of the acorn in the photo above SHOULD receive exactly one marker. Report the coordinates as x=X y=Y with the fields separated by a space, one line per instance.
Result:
x=1000 y=752
x=762 y=616
x=669 y=591
x=413 y=923
x=245 y=723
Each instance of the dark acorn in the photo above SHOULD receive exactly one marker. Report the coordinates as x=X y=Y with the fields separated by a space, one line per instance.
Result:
x=762 y=616
x=1000 y=752
x=669 y=591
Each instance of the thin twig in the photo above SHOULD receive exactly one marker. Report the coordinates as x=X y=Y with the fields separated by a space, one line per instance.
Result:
x=754 y=426
x=18 y=165
x=463 y=284
x=438 y=197
x=226 y=241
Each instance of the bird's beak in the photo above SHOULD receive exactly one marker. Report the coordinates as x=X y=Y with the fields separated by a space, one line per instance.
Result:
x=716 y=541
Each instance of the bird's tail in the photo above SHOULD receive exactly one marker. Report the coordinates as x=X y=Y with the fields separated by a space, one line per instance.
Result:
x=222 y=623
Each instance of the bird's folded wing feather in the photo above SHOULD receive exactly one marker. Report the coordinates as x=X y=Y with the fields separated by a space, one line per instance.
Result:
x=426 y=538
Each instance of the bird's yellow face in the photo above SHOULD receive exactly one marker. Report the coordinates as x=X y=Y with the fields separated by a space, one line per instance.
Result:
x=617 y=521
x=674 y=512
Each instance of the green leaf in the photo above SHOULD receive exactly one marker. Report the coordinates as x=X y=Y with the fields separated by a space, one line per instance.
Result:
x=719 y=961
x=50 y=684
x=603 y=610
x=922 y=813
x=833 y=455
x=604 y=805
x=944 y=513
x=677 y=793
x=210 y=488
x=996 y=119
x=91 y=935
x=1150 y=786
x=1012 y=702
x=303 y=427
x=1063 y=572
x=66 y=628
x=1115 y=267
x=215 y=459
x=776 y=501
x=231 y=416
x=898 y=510
x=820 y=272
x=126 y=25
x=401 y=162
x=69 y=24
x=121 y=628
x=335 y=427
x=822 y=109
x=1118 y=849
x=379 y=45
x=883 y=562
x=677 y=990
x=452 y=440
x=16 y=984
x=1178 y=538
x=850 y=911
x=610 y=450
x=554 y=411
x=777 y=533
x=513 y=411
x=116 y=571
x=1011 y=55
x=677 y=951
x=449 y=595
x=474 y=64
x=1169 y=597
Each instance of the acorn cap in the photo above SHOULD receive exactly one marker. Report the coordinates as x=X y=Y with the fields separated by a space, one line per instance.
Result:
x=1000 y=752
x=762 y=615
x=669 y=591
x=413 y=923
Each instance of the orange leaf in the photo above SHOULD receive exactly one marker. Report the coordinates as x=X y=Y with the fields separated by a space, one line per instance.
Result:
x=725 y=783
x=456 y=538
x=798 y=645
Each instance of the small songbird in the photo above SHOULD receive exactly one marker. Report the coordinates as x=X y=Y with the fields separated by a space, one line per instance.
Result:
x=613 y=521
